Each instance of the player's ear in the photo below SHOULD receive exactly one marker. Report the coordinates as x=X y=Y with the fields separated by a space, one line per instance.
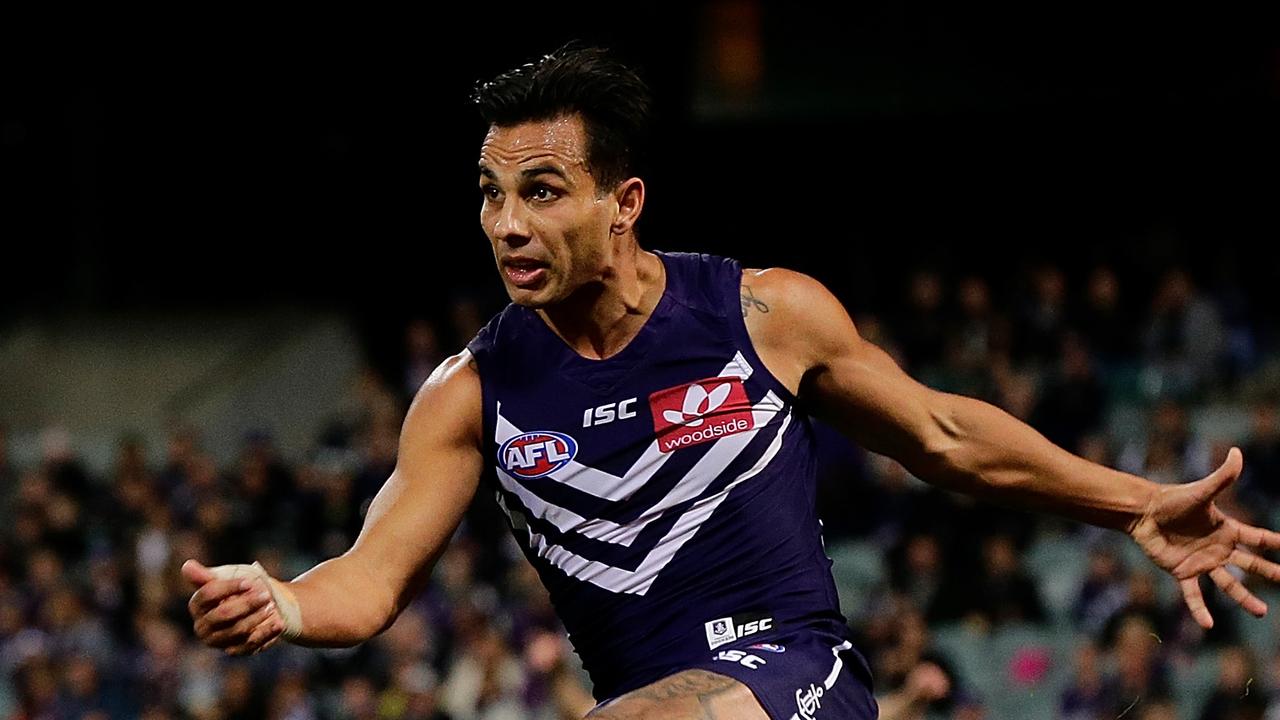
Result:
x=630 y=197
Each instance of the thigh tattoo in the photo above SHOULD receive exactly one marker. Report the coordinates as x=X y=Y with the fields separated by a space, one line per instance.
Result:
x=691 y=686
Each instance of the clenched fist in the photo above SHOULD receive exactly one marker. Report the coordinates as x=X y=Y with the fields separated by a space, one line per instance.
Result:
x=240 y=608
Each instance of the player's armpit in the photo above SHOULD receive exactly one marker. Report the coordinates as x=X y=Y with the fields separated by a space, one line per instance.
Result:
x=348 y=599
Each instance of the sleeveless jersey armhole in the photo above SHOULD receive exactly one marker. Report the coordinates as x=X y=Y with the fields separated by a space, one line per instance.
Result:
x=479 y=346
x=739 y=325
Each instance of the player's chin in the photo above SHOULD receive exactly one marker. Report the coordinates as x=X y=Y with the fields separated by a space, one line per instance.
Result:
x=531 y=297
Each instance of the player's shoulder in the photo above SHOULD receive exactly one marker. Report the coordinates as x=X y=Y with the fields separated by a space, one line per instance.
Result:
x=781 y=279
x=785 y=292
x=450 y=397
x=793 y=313
x=456 y=375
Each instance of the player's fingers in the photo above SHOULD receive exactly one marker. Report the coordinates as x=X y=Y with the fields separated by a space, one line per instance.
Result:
x=1251 y=563
x=236 y=633
x=1219 y=479
x=227 y=612
x=1257 y=537
x=273 y=640
x=265 y=632
x=196 y=573
x=213 y=592
x=1195 y=602
x=237 y=606
x=1238 y=592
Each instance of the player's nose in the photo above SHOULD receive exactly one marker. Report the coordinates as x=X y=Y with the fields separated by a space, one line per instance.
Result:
x=511 y=224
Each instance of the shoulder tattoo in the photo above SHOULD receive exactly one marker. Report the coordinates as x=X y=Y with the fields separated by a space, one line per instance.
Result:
x=751 y=302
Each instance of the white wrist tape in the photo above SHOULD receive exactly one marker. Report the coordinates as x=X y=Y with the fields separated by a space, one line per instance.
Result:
x=286 y=603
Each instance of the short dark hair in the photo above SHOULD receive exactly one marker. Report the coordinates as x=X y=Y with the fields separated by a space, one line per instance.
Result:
x=612 y=100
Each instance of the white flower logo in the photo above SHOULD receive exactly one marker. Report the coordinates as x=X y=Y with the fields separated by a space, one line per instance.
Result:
x=697 y=403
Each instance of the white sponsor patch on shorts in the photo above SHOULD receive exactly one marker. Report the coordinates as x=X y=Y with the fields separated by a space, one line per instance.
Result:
x=725 y=630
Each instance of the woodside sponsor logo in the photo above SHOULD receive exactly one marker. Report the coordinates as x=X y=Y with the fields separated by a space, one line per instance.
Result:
x=698 y=412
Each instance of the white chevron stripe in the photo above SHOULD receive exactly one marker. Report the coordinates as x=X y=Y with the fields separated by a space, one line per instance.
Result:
x=693 y=484
x=639 y=581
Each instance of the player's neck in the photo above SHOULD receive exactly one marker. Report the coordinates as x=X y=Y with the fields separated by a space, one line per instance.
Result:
x=601 y=318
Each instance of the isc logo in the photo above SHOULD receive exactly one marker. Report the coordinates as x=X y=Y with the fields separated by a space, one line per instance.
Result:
x=746 y=660
x=624 y=410
x=725 y=630
x=535 y=454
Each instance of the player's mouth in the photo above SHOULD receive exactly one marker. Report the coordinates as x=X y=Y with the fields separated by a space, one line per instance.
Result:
x=524 y=272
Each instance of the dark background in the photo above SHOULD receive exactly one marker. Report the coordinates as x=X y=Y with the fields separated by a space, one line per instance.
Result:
x=214 y=161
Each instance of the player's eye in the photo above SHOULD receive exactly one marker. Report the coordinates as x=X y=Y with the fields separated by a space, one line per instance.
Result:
x=543 y=193
x=490 y=192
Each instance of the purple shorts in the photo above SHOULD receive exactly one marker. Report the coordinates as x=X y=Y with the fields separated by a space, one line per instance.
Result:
x=806 y=674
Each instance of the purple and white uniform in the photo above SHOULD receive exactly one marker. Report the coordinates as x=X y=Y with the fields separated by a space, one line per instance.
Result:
x=666 y=496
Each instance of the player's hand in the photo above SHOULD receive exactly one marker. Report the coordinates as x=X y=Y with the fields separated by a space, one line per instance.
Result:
x=236 y=613
x=1184 y=532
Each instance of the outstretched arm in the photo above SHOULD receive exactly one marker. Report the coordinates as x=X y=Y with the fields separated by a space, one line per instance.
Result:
x=349 y=599
x=970 y=446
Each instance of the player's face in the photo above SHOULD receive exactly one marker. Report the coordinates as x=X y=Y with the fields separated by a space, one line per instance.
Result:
x=550 y=232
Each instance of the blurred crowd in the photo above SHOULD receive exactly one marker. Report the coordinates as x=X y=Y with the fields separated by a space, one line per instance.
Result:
x=93 y=618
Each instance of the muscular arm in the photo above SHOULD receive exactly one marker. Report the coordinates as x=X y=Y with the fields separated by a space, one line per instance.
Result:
x=960 y=443
x=351 y=598
x=808 y=341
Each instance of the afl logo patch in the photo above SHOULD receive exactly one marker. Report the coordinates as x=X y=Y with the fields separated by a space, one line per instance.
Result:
x=534 y=454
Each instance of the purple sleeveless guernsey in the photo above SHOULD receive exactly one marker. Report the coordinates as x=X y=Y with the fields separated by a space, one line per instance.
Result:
x=666 y=495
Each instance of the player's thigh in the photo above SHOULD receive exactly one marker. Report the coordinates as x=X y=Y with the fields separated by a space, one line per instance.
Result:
x=686 y=695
